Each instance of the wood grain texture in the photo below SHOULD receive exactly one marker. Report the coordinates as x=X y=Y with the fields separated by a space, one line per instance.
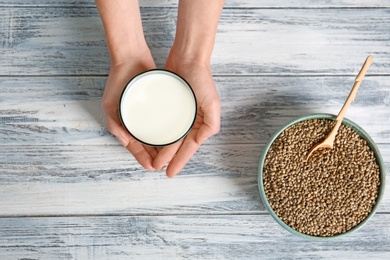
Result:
x=68 y=109
x=66 y=41
x=228 y=3
x=88 y=180
x=69 y=190
x=180 y=237
x=75 y=180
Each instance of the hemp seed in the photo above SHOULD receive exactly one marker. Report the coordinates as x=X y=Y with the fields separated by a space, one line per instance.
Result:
x=332 y=191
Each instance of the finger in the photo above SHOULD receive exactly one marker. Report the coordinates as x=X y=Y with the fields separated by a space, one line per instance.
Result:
x=205 y=132
x=140 y=154
x=165 y=155
x=211 y=123
x=151 y=150
x=186 y=151
x=143 y=156
x=120 y=133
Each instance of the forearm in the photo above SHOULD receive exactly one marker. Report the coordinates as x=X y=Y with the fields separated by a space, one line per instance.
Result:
x=123 y=28
x=196 y=29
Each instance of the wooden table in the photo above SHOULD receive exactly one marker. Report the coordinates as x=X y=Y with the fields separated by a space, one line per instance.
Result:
x=69 y=190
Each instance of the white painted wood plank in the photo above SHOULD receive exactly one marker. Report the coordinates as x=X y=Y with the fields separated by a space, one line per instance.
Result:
x=105 y=180
x=74 y=180
x=325 y=41
x=54 y=161
x=70 y=41
x=67 y=38
x=228 y=3
x=305 y=3
x=181 y=237
x=61 y=110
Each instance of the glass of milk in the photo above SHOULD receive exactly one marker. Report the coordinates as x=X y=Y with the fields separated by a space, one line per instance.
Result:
x=158 y=107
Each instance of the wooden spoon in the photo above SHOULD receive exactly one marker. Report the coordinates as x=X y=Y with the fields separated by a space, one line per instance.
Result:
x=329 y=140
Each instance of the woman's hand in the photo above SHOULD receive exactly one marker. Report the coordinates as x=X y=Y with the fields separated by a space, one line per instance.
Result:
x=207 y=122
x=118 y=77
x=129 y=55
x=189 y=57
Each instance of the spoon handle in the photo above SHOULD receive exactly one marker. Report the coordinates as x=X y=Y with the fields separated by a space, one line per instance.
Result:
x=329 y=139
x=364 y=69
x=352 y=94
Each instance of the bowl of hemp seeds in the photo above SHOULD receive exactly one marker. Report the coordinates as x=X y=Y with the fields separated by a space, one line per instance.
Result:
x=332 y=193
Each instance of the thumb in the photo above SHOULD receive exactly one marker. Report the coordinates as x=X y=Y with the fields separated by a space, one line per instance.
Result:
x=204 y=133
x=119 y=132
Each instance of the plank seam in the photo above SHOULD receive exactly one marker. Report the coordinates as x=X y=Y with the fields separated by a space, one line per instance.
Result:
x=134 y=215
x=148 y=215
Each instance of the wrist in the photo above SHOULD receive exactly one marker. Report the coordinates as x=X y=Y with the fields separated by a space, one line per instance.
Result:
x=196 y=29
x=123 y=28
x=129 y=54
x=189 y=57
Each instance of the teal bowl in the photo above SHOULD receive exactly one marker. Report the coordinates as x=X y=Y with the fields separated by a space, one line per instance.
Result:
x=363 y=135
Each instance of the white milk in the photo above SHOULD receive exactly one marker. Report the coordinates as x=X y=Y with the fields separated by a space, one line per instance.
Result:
x=158 y=107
